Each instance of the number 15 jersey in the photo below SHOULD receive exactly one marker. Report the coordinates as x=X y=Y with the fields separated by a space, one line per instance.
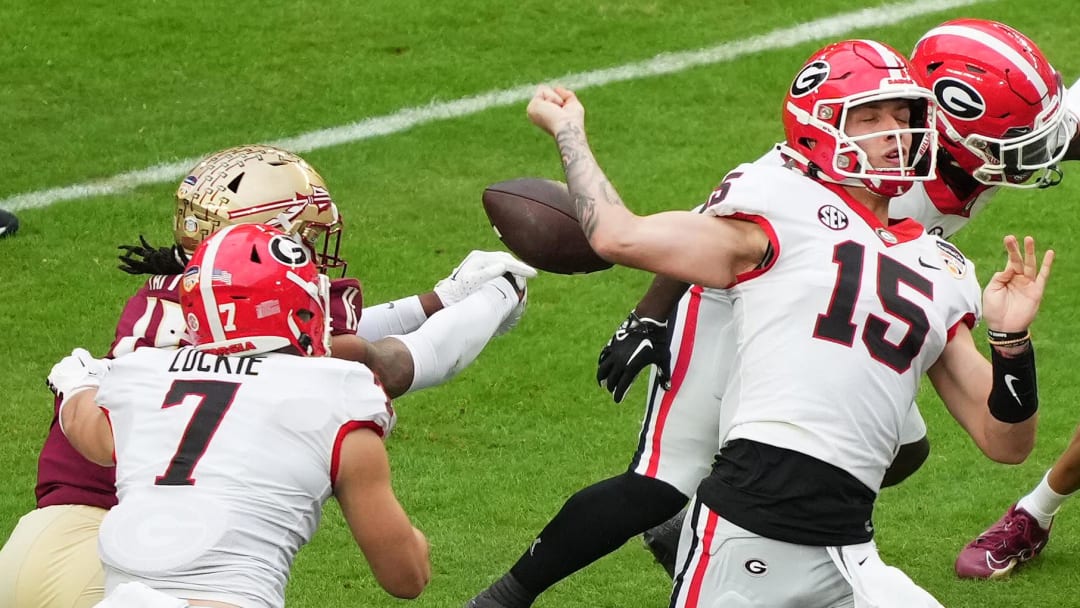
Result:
x=835 y=332
x=223 y=465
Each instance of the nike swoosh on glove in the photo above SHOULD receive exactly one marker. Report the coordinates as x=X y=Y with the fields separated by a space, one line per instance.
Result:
x=475 y=271
x=77 y=372
x=638 y=343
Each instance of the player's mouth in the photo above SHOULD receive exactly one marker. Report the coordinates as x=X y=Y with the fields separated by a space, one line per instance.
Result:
x=892 y=158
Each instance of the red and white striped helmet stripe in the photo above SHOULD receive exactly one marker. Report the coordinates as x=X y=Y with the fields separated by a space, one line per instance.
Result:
x=896 y=64
x=1019 y=61
x=206 y=287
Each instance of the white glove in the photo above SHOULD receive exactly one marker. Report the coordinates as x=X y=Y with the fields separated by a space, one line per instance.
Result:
x=77 y=372
x=521 y=291
x=475 y=270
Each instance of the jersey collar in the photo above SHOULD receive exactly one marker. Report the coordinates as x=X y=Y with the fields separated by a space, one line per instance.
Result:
x=895 y=233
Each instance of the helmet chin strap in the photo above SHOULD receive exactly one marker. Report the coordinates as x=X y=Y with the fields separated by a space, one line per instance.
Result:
x=1051 y=176
x=812 y=170
x=302 y=339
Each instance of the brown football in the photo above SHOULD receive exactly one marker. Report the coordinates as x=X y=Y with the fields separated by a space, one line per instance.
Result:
x=535 y=219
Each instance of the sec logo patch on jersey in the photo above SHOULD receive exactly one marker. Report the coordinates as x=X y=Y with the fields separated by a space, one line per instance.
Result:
x=832 y=217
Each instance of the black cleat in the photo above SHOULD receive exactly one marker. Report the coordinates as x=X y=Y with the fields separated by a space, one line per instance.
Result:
x=663 y=541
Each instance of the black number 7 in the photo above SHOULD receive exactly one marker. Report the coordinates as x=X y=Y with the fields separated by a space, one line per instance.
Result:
x=216 y=397
x=836 y=324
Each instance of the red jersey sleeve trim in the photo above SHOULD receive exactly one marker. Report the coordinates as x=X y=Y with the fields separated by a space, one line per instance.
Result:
x=108 y=419
x=348 y=427
x=773 y=240
x=968 y=319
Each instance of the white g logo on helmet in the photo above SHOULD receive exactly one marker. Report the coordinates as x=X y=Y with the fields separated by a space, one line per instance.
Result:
x=289 y=252
x=959 y=99
x=810 y=78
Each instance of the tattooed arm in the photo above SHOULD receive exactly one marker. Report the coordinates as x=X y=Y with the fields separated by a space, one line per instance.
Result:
x=686 y=246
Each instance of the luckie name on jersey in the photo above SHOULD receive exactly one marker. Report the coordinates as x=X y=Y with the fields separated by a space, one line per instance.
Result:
x=187 y=360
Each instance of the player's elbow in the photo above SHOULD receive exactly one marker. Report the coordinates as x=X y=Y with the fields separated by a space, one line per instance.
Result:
x=408 y=571
x=1012 y=454
x=1012 y=449
x=409 y=582
x=409 y=589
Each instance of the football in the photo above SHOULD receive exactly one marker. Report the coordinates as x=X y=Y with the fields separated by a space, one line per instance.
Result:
x=535 y=219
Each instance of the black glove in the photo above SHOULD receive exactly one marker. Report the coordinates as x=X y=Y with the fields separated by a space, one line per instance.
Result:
x=638 y=343
x=144 y=258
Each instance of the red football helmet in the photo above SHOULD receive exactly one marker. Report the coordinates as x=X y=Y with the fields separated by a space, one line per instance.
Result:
x=251 y=288
x=834 y=80
x=1001 y=105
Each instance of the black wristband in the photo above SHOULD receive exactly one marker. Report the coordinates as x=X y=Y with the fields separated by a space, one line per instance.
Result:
x=1006 y=336
x=1014 y=397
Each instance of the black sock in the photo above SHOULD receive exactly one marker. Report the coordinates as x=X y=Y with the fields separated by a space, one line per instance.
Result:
x=594 y=522
x=508 y=593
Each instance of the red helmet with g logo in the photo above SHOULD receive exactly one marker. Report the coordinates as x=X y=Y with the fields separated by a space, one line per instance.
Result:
x=838 y=78
x=1002 y=113
x=251 y=288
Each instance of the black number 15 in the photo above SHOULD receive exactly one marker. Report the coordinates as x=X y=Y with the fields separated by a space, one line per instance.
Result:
x=836 y=324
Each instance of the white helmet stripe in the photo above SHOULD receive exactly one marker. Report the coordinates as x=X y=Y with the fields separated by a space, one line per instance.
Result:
x=206 y=289
x=890 y=59
x=999 y=47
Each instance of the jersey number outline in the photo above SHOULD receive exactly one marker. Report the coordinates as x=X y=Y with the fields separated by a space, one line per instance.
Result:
x=215 y=398
x=836 y=324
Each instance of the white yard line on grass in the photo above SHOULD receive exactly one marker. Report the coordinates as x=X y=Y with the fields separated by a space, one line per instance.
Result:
x=667 y=63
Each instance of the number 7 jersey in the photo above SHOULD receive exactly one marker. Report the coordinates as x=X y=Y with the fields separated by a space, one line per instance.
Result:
x=834 y=333
x=223 y=465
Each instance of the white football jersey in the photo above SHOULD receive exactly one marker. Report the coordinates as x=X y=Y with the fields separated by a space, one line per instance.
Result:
x=834 y=334
x=933 y=204
x=223 y=465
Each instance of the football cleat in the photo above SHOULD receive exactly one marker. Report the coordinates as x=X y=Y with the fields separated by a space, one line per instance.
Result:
x=1016 y=538
x=663 y=541
x=9 y=224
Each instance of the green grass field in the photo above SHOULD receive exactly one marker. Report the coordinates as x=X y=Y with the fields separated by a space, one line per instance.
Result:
x=482 y=463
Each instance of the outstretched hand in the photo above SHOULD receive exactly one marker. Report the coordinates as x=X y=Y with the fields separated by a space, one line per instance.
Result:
x=476 y=270
x=1012 y=297
x=552 y=108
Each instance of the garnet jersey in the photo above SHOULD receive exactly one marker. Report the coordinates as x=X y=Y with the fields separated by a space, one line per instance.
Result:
x=151 y=318
x=834 y=333
x=223 y=465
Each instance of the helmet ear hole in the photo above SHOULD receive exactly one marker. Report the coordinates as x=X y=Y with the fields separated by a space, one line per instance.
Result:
x=234 y=185
x=305 y=315
x=255 y=255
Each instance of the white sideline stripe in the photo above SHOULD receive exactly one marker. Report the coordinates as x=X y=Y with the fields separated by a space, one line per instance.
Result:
x=666 y=63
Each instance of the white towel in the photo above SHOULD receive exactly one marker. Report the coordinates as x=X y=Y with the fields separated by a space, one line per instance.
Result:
x=138 y=595
x=876 y=584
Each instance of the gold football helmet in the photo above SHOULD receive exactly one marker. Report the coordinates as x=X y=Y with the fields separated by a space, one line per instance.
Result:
x=258 y=184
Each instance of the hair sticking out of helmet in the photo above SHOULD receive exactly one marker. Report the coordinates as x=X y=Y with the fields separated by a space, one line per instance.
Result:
x=1002 y=112
x=831 y=85
x=251 y=288
x=259 y=184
